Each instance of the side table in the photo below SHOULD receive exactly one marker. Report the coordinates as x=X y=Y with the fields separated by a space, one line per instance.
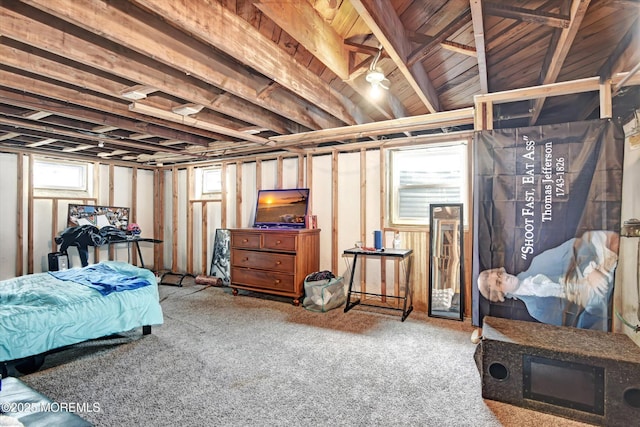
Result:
x=406 y=297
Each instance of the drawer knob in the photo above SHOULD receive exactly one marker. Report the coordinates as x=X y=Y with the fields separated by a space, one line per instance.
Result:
x=245 y=240
x=278 y=262
x=278 y=242
x=245 y=259
x=277 y=281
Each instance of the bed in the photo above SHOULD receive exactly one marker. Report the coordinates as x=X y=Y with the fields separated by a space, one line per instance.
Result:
x=46 y=311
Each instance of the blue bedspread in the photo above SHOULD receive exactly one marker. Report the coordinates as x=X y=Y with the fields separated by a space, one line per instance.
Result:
x=102 y=278
x=39 y=312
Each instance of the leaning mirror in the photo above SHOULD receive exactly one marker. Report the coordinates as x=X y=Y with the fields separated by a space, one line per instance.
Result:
x=446 y=262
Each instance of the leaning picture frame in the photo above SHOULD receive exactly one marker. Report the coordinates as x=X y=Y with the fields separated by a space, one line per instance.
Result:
x=220 y=259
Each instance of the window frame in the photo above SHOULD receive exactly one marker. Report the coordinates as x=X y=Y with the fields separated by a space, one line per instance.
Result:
x=205 y=172
x=392 y=216
x=44 y=185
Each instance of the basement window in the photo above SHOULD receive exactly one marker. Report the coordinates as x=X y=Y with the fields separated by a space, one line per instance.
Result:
x=419 y=177
x=212 y=181
x=50 y=175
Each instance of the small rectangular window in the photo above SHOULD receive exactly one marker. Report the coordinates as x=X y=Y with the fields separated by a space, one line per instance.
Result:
x=212 y=181
x=421 y=176
x=51 y=175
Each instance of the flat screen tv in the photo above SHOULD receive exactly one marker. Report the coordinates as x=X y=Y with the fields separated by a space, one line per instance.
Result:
x=282 y=208
x=99 y=216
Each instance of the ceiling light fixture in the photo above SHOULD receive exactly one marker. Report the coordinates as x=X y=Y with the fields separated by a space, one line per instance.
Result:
x=192 y=121
x=376 y=78
x=187 y=109
x=137 y=92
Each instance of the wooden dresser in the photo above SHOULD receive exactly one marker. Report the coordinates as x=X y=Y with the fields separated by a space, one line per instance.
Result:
x=273 y=261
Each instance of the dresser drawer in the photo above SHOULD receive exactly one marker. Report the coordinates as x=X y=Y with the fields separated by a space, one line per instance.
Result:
x=245 y=240
x=262 y=279
x=279 y=242
x=263 y=260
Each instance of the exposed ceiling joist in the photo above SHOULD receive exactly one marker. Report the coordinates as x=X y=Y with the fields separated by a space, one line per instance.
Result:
x=276 y=71
x=66 y=102
x=301 y=21
x=612 y=65
x=120 y=28
x=41 y=142
x=217 y=26
x=478 y=34
x=526 y=15
x=556 y=56
x=149 y=110
x=429 y=43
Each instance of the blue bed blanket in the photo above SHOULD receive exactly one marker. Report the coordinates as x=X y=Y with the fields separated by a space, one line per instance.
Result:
x=103 y=278
x=39 y=312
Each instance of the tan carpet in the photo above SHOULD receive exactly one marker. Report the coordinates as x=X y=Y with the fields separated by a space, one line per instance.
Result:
x=250 y=360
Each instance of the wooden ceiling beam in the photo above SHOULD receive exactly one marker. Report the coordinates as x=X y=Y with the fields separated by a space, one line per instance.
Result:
x=527 y=15
x=478 y=34
x=58 y=133
x=352 y=46
x=390 y=32
x=426 y=121
x=172 y=49
x=40 y=143
x=302 y=22
x=146 y=109
x=9 y=135
x=588 y=84
x=558 y=53
x=430 y=42
x=611 y=65
x=87 y=107
x=79 y=147
x=70 y=136
x=36 y=115
x=71 y=75
x=50 y=39
x=216 y=25
x=459 y=48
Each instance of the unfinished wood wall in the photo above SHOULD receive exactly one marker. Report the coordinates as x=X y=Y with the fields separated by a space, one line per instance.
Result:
x=348 y=195
x=31 y=220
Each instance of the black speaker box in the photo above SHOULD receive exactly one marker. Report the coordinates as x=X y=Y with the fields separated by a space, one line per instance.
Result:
x=585 y=375
x=58 y=261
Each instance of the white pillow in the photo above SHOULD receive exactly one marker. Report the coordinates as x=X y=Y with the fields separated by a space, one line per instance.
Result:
x=441 y=299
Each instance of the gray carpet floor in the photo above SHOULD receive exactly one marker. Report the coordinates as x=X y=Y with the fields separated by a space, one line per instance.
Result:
x=260 y=361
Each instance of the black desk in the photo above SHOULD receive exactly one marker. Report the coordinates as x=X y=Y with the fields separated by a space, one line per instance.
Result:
x=135 y=240
x=406 y=257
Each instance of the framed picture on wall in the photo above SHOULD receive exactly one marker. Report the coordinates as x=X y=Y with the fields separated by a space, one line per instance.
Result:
x=220 y=262
x=98 y=216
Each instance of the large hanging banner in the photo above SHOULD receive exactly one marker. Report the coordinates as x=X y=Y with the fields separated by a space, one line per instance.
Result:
x=546 y=223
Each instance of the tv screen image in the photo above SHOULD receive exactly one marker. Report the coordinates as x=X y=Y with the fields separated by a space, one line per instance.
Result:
x=99 y=216
x=282 y=208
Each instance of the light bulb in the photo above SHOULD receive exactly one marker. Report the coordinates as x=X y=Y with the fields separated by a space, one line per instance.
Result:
x=375 y=91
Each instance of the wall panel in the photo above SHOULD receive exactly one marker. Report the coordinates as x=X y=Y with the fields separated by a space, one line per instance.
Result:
x=9 y=214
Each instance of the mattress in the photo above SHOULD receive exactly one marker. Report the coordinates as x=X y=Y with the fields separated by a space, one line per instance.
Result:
x=39 y=313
